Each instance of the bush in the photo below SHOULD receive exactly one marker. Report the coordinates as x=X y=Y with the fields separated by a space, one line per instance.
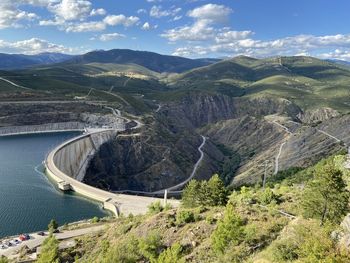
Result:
x=126 y=250
x=229 y=230
x=150 y=246
x=171 y=255
x=155 y=207
x=3 y=259
x=267 y=196
x=95 y=220
x=184 y=216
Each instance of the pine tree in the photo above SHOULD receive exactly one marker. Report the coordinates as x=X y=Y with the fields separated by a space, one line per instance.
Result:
x=326 y=196
x=217 y=191
x=229 y=231
x=191 y=194
x=49 y=250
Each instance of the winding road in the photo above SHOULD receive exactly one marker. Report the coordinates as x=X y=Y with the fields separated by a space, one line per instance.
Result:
x=195 y=168
x=14 y=84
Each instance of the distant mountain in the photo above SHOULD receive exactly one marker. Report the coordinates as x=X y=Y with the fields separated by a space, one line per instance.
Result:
x=20 y=61
x=338 y=61
x=150 y=60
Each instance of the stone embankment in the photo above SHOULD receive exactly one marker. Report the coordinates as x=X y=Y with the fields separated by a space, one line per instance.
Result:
x=67 y=163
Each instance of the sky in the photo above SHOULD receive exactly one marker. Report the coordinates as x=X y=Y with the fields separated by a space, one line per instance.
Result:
x=190 y=28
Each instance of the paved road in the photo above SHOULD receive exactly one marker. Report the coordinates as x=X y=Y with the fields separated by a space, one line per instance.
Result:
x=195 y=168
x=278 y=157
x=14 y=84
x=37 y=240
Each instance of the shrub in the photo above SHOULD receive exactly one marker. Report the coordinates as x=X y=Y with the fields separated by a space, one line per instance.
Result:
x=267 y=196
x=95 y=220
x=155 y=207
x=229 y=230
x=171 y=255
x=150 y=245
x=184 y=216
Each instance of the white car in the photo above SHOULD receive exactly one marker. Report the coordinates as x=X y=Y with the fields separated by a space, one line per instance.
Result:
x=2 y=246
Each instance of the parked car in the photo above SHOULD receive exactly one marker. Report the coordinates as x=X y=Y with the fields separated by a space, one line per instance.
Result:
x=2 y=246
x=41 y=233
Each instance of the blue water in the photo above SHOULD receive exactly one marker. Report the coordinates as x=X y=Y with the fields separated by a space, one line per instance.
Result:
x=28 y=201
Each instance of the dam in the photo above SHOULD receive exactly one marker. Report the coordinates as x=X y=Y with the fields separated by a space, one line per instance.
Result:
x=66 y=166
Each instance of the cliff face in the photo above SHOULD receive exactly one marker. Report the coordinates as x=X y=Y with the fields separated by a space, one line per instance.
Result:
x=165 y=153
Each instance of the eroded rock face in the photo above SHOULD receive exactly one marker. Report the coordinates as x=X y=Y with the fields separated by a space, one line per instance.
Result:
x=168 y=149
x=317 y=115
x=161 y=157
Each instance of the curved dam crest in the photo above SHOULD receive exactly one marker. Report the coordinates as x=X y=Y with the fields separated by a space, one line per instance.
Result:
x=67 y=164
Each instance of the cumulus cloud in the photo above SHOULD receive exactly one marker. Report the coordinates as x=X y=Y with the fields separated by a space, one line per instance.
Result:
x=98 y=12
x=205 y=18
x=32 y=46
x=111 y=36
x=11 y=15
x=71 y=9
x=86 y=27
x=114 y=20
x=148 y=26
x=157 y=11
x=231 y=44
x=212 y=12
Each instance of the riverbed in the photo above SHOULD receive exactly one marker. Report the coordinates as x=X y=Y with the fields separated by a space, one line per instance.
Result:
x=28 y=200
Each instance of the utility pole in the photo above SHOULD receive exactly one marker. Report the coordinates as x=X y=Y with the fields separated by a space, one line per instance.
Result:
x=165 y=197
x=266 y=166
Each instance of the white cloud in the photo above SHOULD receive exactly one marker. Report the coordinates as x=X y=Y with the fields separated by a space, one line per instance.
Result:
x=212 y=12
x=114 y=20
x=205 y=18
x=98 y=12
x=142 y=11
x=11 y=15
x=71 y=9
x=111 y=36
x=32 y=46
x=229 y=36
x=337 y=46
x=148 y=26
x=199 y=31
x=86 y=27
x=158 y=12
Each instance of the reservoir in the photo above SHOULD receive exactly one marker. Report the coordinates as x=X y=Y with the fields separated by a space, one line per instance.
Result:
x=28 y=201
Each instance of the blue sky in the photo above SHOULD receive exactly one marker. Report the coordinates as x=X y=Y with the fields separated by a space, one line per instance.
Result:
x=191 y=28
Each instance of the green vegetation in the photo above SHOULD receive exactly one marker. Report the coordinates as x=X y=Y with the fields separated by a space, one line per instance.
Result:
x=52 y=226
x=280 y=223
x=3 y=259
x=326 y=196
x=49 y=251
x=205 y=193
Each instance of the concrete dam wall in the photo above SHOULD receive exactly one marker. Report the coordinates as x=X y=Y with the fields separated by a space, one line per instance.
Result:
x=43 y=128
x=67 y=164
x=74 y=158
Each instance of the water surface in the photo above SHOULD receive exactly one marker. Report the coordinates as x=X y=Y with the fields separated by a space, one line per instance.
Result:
x=28 y=201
